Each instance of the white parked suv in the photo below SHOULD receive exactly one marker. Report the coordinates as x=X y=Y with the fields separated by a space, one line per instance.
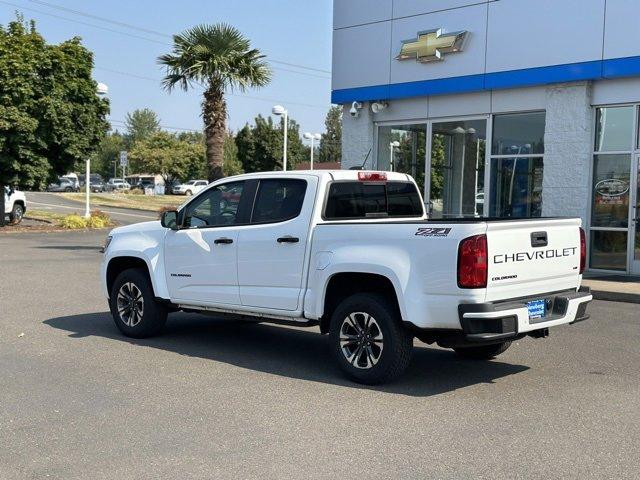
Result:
x=190 y=188
x=15 y=205
x=354 y=253
x=117 y=184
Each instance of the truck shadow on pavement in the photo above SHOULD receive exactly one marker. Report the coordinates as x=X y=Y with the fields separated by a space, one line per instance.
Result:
x=290 y=352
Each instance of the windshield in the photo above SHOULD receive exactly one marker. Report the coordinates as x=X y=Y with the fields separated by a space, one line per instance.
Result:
x=190 y=182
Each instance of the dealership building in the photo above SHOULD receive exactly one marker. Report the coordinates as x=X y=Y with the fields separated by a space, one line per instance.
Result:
x=501 y=108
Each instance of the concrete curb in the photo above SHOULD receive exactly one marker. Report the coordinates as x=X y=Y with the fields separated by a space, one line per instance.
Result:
x=615 y=296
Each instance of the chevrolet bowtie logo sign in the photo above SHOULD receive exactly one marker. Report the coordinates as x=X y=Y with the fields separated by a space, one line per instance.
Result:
x=431 y=45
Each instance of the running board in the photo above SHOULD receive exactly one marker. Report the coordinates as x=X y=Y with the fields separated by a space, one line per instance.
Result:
x=234 y=315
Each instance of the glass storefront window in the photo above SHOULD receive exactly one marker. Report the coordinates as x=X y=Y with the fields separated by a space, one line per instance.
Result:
x=614 y=129
x=610 y=191
x=516 y=187
x=518 y=134
x=608 y=250
x=410 y=156
x=457 y=168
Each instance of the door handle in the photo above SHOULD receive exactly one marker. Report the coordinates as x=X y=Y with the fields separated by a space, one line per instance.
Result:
x=288 y=239
x=223 y=241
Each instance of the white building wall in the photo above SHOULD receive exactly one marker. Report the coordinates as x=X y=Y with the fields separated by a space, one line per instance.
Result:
x=567 y=151
x=357 y=138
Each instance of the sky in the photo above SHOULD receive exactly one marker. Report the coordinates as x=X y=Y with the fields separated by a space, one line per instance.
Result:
x=295 y=32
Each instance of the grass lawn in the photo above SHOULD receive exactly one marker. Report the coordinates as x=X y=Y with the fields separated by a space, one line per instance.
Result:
x=124 y=200
x=44 y=215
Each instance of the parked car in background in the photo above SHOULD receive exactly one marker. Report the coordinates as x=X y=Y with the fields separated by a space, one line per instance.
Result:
x=143 y=185
x=117 y=184
x=96 y=182
x=97 y=186
x=64 y=184
x=190 y=188
x=73 y=178
x=15 y=204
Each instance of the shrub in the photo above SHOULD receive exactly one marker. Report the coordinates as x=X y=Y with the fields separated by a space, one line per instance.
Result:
x=97 y=219
x=73 y=222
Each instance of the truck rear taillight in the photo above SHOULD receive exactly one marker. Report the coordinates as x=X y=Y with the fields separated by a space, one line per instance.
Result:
x=372 y=176
x=472 y=262
x=583 y=251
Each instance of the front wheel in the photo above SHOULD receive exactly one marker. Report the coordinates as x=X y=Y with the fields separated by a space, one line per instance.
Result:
x=16 y=214
x=368 y=340
x=133 y=305
x=188 y=193
x=484 y=352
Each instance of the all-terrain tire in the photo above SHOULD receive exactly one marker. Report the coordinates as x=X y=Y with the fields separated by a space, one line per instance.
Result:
x=385 y=349
x=485 y=352
x=134 y=308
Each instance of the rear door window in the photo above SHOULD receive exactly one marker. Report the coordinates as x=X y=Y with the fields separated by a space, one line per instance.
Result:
x=372 y=200
x=278 y=200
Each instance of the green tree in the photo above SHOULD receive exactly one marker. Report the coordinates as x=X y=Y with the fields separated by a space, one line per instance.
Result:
x=331 y=142
x=165 y=154
x=297 y=151
x=246 y=147
x=50 y=116
x=141 y=124
x=108 y=154
x=232 y=165
x=260 y=147
x=219 y=58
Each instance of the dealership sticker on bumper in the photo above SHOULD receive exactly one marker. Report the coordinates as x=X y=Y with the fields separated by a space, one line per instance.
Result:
x=537 y=309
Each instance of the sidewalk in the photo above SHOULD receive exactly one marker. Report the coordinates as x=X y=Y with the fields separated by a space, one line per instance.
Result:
x=615 y=288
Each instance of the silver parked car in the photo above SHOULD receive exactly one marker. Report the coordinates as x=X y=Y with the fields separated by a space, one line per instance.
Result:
x=63 y=184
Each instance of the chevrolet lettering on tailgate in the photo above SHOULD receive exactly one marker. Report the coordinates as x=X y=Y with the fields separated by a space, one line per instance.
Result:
x=539 y=255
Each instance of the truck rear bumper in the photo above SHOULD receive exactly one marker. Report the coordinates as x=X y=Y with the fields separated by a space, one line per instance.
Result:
x=503 y=321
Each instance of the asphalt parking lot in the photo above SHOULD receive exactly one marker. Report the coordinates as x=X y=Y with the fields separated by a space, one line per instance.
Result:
x=222 y=399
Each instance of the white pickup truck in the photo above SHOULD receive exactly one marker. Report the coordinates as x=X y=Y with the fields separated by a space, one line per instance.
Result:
x=352 y=252
x=15 y=204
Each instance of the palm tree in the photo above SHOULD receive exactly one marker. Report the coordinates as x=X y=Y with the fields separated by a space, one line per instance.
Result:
x=218 y=58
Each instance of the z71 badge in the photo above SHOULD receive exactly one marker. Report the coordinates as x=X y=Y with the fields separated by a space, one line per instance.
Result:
x=433 y=232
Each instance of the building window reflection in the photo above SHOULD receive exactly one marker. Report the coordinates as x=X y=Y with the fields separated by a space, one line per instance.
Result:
x=517 y=165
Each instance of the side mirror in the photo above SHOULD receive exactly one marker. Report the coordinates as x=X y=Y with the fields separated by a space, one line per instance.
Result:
x=169 y=219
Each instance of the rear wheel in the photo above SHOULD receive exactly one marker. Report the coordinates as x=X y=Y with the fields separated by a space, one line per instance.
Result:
x=368 y=340
x=135 y=311
x=15 y=217
x=485 y=352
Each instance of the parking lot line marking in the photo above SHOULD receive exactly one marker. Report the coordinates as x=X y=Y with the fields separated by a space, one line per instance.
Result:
x=107 y=211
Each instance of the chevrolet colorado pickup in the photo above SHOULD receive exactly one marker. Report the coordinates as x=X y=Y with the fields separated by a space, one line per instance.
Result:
x=354 y=253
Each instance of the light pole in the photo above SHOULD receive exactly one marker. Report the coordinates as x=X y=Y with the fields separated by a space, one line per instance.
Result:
x=392 y=145
x=280 y=110
x=101 y=90
x=312 y=137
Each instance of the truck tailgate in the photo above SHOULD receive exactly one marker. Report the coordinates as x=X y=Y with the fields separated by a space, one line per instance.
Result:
x=529 y=257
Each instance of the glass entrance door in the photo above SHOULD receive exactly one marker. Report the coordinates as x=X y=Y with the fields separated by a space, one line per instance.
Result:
x=457 y=171
x=635 y=220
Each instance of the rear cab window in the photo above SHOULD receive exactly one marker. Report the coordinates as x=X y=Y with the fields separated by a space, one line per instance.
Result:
x=362 y=200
